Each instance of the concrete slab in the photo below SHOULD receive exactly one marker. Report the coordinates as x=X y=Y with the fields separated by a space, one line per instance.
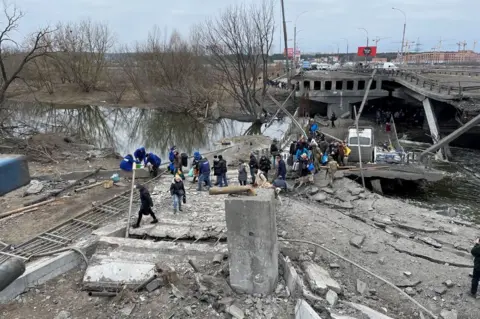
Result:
x=423 y=251
x=170 y=228
x=319 y=279
x=125 y=261
x=304 y=311
x=252 y=242
x=372 y=314
x=114 y=274
x=116 y=229
x=292 y=279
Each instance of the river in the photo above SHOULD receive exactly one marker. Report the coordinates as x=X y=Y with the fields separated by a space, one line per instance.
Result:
x=125 y=129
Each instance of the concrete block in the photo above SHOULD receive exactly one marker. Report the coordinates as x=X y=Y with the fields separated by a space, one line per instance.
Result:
x=304 y=311
x=112 y=274
x=252 y=242
x=13 y=172
x=319 y=279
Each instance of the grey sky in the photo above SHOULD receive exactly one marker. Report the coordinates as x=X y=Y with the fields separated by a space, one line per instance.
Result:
x=322 y=27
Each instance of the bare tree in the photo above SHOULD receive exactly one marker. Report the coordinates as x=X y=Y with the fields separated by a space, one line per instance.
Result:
x=15 y=57
x=81 y=51
x=237 y=45
x=169 y=73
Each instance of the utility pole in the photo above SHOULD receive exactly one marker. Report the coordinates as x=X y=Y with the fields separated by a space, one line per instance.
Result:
x=474 y=45
x=367 y=42
x=286 y=42
x=295 y=39
x=404 y=28
x=348 y=57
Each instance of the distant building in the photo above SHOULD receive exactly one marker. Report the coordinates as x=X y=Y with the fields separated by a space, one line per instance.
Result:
x=467 y=56
x=379 y=60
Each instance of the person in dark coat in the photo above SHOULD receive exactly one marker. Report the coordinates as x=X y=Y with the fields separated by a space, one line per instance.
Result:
x=265 y=166
x=282 y=168
x=145 y=206
x=476 y=268
x=140 y=155
x=177 y=163
x=177 y=190
x=253 y=167
x=223 y=171
x=216 y=170
x=155 y=162
x=333 y=118
x=274 y=151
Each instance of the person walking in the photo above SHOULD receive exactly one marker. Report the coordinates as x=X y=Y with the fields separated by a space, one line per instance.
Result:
x=253 y=167
x=476 y=268
x=282 y=168
x=145 y=206
x=204 y=173
x=216 y=170
x=223 y=171
x=242 y=173
x=333 y=118
x=177 y=190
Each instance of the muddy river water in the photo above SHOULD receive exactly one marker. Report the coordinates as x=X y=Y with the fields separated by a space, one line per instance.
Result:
x=126 y=129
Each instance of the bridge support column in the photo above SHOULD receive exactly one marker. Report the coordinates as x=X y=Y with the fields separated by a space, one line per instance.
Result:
x=434 y=130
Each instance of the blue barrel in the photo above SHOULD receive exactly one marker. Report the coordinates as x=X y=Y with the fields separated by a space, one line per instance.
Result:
x=10 y=270
x=13 y=172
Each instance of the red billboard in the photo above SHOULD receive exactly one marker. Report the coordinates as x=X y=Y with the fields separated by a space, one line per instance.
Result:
x=290 y=53
x=367 y=51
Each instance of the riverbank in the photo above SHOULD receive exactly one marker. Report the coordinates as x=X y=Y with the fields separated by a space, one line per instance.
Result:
x=419 y=250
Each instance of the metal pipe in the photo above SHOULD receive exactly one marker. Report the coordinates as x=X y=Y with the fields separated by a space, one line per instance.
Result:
x=10 y=270
x=102 y=294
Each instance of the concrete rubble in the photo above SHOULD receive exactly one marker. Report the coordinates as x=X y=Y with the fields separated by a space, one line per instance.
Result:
x=403 y=247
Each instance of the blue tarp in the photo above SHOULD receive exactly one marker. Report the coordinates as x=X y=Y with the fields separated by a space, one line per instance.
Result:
x=13 y=173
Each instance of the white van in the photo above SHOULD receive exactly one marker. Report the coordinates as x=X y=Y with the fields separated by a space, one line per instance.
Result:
x=389 y=66
x=365 y=137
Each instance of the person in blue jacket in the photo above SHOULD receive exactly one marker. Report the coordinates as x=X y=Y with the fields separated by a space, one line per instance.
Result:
x=171 y=158
x=140 y=155
x=282 y=168
x=127 y=163
x=204 y=173
x=154 y=162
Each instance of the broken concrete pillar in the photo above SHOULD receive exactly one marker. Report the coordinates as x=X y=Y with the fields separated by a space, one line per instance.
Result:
x=252 y=242
x=377 y=186
x=433 y=126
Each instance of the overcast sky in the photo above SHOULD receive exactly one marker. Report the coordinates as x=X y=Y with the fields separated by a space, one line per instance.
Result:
x=322 y=27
